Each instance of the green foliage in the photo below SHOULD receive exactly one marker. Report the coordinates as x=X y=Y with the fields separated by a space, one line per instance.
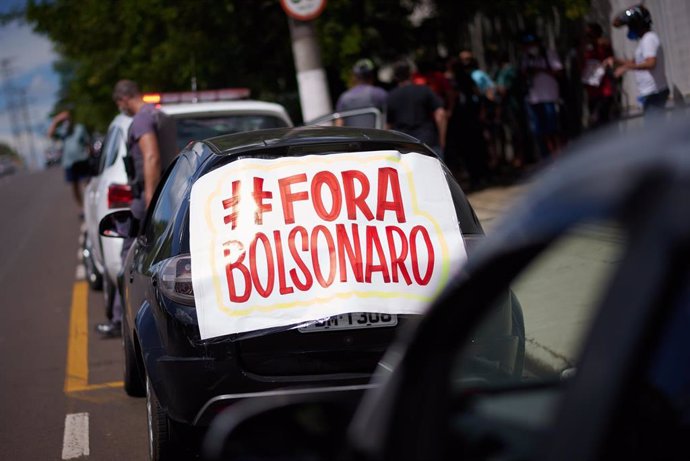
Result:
x=163 y=44
x=352 y=29
x=7 y=151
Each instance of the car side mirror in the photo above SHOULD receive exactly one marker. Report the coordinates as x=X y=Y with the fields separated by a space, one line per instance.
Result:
x=285 y=427
x=119 y=224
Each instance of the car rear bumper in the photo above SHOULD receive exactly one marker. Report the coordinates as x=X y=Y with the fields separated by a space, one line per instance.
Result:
x=217 y=404
x=194 y=390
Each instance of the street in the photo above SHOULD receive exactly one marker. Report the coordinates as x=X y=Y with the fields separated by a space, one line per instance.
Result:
x=53 y=367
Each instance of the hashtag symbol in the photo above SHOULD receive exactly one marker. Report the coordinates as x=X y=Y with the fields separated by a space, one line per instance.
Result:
x=232 y=204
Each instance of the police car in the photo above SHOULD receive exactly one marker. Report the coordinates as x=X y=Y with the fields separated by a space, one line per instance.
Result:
x=196 y=115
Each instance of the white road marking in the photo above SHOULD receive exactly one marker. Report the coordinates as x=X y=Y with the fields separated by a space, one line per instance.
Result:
x=80 y=273
x=75 y=443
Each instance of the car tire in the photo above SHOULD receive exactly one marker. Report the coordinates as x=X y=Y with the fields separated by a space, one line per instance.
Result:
x=162 y=443
x=93 y=277
x=518 y=329
x=133 y=380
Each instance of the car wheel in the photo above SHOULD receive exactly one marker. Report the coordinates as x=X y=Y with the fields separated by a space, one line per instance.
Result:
x=133 y=381
x=93 y=277
x=162 y=444
x=518 y=329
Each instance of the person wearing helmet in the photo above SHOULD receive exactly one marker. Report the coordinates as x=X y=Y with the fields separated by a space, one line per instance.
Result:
x=361 y=96
x=648 y=65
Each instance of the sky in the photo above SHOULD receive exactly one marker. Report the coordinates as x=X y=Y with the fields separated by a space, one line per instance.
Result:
x=31 y=58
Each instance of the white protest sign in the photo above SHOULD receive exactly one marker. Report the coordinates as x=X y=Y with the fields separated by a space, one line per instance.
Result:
x=290 y=240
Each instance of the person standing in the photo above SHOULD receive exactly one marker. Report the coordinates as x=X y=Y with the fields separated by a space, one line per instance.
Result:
x=416 y=110
x=486 y=86
x=465 y=142
x=596 y=76
x=362 y=95
x=648 y=65
x=143 y=165
x=75 y=151
x=541 y=68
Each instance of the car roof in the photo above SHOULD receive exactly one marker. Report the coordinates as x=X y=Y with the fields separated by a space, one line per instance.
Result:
x=305 y=136
x=229 y=107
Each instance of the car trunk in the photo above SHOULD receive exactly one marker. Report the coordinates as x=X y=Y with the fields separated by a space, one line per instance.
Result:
x=298 y=353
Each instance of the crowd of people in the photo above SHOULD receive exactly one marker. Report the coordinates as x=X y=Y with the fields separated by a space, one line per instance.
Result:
x=495 y=123
x=485 y=124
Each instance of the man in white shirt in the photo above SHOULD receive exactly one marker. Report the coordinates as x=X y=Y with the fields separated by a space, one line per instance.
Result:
x=648 y=65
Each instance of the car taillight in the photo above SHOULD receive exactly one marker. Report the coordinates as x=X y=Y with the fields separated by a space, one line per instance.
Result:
x=119 y=196
x=175 y=279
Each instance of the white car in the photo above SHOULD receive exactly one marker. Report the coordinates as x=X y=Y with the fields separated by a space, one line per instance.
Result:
x=108 y=189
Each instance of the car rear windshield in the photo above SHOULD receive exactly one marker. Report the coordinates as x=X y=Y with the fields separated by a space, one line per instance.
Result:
x=196 y=128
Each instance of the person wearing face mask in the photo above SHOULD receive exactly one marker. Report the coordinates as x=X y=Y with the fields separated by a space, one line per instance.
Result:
x=648 y=65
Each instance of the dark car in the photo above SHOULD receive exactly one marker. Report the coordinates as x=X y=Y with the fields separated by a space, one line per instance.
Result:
x=598 y=251
x=351 y=233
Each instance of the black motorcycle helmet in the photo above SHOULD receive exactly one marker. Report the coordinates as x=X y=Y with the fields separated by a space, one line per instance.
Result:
x=636 y=18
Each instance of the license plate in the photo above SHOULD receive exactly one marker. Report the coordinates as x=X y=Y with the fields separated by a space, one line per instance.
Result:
x=353 y=321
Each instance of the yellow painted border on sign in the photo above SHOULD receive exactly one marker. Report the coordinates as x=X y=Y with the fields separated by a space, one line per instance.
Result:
x=390 y=158
x=77 y=369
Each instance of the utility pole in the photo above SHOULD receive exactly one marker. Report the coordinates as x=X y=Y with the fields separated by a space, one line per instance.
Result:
x=24 y=107
x=10 y=102
x=312 y=84
x=17 y=108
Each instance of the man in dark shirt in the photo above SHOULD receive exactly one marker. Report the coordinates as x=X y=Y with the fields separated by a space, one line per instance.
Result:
x=363 y=95
x=416 y=110
x=142 y=147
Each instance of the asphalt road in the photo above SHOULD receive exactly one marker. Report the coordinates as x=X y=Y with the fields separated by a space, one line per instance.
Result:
x=60 y=396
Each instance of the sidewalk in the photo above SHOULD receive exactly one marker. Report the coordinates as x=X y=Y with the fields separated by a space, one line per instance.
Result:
x=490 y=203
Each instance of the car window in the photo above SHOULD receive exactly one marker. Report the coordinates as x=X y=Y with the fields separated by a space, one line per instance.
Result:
x=531 y=339
x=109 y=145
x=116 y=146
x=171 y=195
x=196 y=128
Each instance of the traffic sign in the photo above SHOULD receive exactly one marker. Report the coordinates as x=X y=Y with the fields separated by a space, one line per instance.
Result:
x=303 y=10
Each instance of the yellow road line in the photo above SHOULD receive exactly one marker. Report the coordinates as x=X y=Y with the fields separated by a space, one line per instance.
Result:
x=77 y=372
x=94 y=387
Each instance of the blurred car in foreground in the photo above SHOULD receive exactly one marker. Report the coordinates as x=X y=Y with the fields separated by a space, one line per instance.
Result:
x=598 y=252
x=193 y=116
x=279 y=260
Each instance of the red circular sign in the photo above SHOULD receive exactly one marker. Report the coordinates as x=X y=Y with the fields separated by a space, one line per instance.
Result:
x=303 y=10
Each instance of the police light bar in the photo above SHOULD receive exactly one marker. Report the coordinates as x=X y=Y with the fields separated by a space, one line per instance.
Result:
x=225 y=94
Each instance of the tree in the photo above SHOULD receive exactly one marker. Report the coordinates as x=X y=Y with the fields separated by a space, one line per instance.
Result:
x=7 y=151
x=164 y=44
